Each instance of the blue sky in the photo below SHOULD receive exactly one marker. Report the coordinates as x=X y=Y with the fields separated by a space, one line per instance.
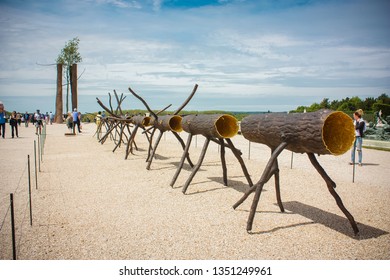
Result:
x=245 y=55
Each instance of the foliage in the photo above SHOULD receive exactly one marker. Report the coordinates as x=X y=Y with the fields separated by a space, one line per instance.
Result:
x=349 y=105
x=70 y=53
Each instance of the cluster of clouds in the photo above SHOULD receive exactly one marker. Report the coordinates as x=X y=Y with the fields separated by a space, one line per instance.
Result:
x=244 y=54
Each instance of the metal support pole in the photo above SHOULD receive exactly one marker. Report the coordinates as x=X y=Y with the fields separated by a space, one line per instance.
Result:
x=39 y=155
x=29 y=188
x=13 y=226
x=292 y=159
x=35 y=164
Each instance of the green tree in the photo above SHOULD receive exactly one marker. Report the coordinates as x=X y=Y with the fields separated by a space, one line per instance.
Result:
x=384 y=99
x=325 y=103
x=368 y=103
x=69 y=55
x=356 y=102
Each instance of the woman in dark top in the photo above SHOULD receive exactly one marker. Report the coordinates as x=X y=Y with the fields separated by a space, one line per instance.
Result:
x=14 y=124
x=359 y=133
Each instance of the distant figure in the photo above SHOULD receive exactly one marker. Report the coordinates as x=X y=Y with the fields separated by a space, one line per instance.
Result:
x=51 y=117
x=38 y=122
x=19 y=119
x=98 y=118
x=76 y=120
x=13 y=122
x=69 y=121
x=26 y=118
x=360 y=126
x=2 y=120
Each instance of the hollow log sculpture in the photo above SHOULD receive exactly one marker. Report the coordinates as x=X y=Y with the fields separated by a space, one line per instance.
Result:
x=163 y=124
x=215 y=128
x=322 y=132
x=115 y=123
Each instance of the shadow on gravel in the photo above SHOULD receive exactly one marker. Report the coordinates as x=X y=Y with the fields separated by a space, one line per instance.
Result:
x=333 y=221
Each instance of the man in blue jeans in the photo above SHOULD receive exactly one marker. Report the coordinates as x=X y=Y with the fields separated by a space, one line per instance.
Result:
x=76 y=120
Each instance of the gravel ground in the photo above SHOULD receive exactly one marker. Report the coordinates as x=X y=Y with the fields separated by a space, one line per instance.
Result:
x=93 y=204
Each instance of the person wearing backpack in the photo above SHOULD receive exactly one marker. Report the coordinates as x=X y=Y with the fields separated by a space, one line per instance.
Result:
x=360 y=127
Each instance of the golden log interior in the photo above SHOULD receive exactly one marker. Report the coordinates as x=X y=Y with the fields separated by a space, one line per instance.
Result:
x=175 y=123
x=227 y=126
x=338 y=133
x=146 y=121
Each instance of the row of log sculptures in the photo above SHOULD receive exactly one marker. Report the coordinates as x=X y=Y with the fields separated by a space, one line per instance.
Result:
x=322 y=132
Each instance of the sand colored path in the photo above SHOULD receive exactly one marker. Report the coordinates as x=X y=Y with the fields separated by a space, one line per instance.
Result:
x=91 y=203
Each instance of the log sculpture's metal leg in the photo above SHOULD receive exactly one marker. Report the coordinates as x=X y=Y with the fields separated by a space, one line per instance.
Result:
x=331 y=185
x=124 y=134
x=184 y=147
x=183 y=157
x=120 y=138
x=129 y=148
x=150 y=159
x=108 y=133
x=272 y=170
x=197 y=166
x=98 y=130
x=150 y=139
x=259 y=185
x=275 y=172
x=237 y=154
x=223 y=161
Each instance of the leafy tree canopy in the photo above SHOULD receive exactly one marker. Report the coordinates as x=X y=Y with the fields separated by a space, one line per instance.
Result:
x=70 y=53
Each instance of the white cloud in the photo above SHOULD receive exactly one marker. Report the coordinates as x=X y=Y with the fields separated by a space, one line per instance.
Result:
x=231 y=52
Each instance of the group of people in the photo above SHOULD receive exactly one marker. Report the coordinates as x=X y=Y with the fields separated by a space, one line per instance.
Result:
x=73 y=119
x=16 y=119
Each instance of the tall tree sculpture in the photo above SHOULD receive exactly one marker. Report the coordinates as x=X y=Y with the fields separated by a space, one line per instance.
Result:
x=69 y=57
x=59 y=106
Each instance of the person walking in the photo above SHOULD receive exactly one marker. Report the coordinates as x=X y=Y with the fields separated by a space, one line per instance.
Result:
x=69 y=121
x=2 y=120
x=13 y=122
x=76 y=120
x=51 y=117
x=360 y=126
x=26 y=117
x=38 y=122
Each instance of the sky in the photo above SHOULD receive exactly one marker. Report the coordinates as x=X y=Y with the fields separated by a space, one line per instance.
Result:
x=245 y=55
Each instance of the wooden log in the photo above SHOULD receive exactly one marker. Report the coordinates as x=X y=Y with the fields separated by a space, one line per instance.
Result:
x=140 y=120
x=211 y=126
x=168 y=123
x=321 y=132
